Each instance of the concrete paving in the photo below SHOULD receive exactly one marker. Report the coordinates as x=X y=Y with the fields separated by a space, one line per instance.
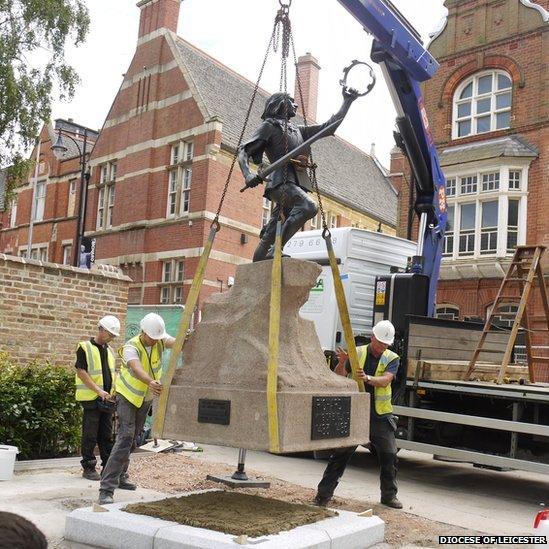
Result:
x=46 y=497
x=458 y=494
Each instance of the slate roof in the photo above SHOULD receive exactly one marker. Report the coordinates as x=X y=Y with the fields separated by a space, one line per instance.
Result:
x=512 y=146
x=345 y=173
x=72 y=149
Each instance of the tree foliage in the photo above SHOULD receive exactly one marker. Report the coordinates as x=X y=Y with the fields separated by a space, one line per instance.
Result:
x=33 y=37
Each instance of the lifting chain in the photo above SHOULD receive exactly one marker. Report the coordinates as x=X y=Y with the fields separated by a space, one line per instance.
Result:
x=281 y=21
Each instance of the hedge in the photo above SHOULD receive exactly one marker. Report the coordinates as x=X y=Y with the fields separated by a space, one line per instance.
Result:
x=38 y=412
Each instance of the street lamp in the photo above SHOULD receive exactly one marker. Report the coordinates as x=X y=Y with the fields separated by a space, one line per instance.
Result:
x=59 y=150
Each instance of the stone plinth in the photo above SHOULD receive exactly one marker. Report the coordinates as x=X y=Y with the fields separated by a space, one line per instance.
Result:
x=85 y=529
x=225 y=360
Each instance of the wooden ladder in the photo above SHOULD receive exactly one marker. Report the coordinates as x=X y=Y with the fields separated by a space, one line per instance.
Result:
x=524 y=268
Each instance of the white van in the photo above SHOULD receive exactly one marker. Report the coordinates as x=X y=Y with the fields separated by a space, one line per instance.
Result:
x=362 y=255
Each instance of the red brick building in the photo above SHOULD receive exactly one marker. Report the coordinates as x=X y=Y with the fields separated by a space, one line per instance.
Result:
x=488 y=106
x=162 y=157
x=50 y=200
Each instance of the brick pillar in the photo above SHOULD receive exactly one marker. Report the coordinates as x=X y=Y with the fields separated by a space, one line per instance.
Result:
x=400 y=176
x=158 y=14
x=307 y=69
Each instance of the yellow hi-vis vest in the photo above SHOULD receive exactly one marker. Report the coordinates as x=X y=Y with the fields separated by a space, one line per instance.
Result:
x=382 y=395
x=127 y=385
x=93 y=358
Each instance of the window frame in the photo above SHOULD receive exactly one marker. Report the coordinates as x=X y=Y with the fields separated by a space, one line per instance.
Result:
x=39 y=202
x=171 y=282
x=13 y=212
x=39 y=252
x=447 y=309
x=474 y=100
x=106 y=195
x=503 y=195
x=180 y=172
x=266 y=209
x=67 y=254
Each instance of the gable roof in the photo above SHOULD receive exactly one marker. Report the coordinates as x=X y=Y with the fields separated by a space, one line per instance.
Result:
x=513 y=146
x=345 y=173
x=72 y=149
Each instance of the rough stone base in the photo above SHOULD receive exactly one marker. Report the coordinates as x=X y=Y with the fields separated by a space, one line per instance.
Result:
x=120 y=530
x=248 y=427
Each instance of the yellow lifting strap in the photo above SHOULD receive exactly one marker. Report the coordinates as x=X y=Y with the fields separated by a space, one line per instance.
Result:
x=192 y=298
x=343 y=310
x=274 y=332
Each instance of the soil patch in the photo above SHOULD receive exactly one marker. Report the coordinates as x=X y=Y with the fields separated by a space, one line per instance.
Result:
x=176 y=473
x=232 y=513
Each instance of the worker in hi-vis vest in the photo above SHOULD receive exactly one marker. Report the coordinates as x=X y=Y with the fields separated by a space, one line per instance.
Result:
x=95 y=376
x=379 y=367
x=136 y=386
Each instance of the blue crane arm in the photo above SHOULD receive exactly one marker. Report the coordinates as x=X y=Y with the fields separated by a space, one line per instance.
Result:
x=405 y=62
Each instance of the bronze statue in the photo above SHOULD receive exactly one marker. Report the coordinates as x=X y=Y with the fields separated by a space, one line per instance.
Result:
x=289 y=184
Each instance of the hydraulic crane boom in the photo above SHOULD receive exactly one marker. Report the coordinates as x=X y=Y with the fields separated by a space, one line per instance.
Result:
x=405 y=62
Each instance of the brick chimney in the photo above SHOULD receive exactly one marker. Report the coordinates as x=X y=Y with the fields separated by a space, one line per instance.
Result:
x=158 y=14
x=307 y=69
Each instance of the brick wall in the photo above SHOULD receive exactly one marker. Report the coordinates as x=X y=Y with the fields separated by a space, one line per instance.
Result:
x=45 y=308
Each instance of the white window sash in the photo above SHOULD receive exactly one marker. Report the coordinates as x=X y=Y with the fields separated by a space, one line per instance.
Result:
x=100 y=208
x=110 y=206
x=39 y=201
x=474 y=99
x=185 y=204
x=171 y=207
x=167 y=271
x=13 y=213
x=165 y=295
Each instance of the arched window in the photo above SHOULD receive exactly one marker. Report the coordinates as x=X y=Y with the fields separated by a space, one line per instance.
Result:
x=482 y=103
x=449 y=312
x=505 y=314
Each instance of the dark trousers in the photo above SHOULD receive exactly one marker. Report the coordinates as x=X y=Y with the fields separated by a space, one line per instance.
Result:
x=130 y=424
x=297 y=208
x=382 y=438
x=96 y=430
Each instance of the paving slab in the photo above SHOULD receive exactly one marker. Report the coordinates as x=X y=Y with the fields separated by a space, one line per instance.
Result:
x=46 y=497
x=117 y=529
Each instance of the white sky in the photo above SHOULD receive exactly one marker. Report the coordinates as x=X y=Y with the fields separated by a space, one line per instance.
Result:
x=236 y=33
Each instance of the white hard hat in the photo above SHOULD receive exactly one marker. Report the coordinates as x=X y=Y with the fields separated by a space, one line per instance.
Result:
x=384 y=332
x=153 y=325
x=111 y=324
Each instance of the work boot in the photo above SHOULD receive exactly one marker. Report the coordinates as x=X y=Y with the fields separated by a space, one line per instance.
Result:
x=392 y=502
x=105 y=497
x=321 y=501
x=125 y=484
x=91 y=474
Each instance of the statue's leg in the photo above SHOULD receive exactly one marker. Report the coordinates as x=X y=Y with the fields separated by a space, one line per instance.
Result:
x=267 y=236
x=300 y=209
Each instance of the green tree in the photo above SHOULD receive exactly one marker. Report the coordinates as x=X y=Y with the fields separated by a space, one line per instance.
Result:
x=33 y=37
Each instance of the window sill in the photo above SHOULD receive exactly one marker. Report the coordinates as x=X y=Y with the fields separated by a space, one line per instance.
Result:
x=181 y=164
x=485 y=266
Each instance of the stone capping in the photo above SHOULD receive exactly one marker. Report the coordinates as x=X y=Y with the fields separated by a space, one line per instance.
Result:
x=116 y=528
x=98 y=269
